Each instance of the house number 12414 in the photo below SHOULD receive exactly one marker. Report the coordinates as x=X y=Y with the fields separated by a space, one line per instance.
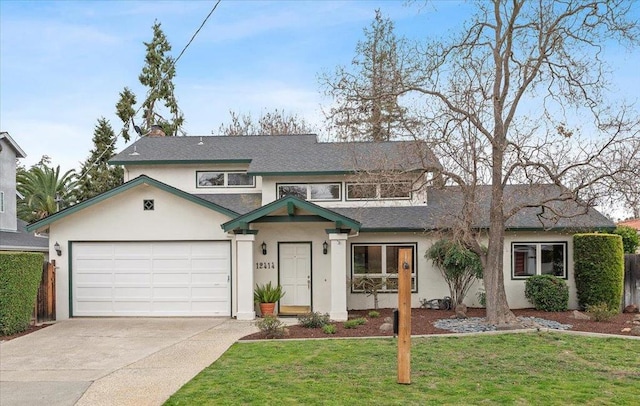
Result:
x=265 y=265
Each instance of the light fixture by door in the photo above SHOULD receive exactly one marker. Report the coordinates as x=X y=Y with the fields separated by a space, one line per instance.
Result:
x=325 y=247
x=264 y=248
x=56 y=247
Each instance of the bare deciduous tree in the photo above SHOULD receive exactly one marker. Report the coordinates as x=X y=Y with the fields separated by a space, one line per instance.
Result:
x=277 y=122
x=516 y=108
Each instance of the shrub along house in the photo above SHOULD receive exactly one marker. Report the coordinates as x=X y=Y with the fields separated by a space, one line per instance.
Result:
x=200 y=220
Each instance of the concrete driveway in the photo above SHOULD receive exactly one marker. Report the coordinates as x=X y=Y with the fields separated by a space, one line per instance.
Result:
x=112 y=361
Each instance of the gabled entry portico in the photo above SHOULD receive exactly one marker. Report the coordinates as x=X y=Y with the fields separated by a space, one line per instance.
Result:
x=294 y=233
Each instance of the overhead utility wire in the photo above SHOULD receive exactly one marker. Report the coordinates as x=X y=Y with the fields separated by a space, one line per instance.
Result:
x=159 y=83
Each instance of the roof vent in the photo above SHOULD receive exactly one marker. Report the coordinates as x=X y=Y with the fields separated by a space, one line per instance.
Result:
x=134 y=153
x=156 y=131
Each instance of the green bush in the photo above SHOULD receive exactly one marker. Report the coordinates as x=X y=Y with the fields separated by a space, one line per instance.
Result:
x=313 y=320
x=329 y=328
x=630 y=239
x=547 y=293
x=599 y=269
x=351 y=323
x=374 y=314
x=601 y=312
x=271 y=326
x=20 y=274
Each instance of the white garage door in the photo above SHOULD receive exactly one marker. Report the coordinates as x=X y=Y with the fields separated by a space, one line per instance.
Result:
x=173 y=278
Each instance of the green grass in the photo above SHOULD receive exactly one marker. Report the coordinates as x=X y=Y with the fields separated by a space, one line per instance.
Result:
x=523 y=369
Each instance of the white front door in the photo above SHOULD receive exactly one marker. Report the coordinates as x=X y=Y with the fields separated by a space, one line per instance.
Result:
x=295 y=274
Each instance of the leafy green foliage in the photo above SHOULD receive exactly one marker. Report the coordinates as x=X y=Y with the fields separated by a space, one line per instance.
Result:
x=350 y=324
x=599 y=269
x=313 y=320
x=374 y=314
x=45 y=191
x=97 y=175
x=329 y=329
x=20 y=274
x=458 y=265
x=630 y=239
x=157 y=75
x=271 y=326
x=267 y=293
x=547 y=293
x=600 y=312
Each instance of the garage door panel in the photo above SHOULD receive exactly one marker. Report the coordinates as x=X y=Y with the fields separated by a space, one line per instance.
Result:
x=151 y=279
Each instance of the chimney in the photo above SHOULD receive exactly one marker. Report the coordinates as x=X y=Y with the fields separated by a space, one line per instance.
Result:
x=156 y=131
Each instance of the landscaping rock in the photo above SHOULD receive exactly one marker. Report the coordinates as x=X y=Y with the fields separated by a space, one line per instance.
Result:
x=635 y=331
x=461 y=311
x=580 y=316
x=626 y=330
x=386 y=327
x=632 y=308
x=636 y=317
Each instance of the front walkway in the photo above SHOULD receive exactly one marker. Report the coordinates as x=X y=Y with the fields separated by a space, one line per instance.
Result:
x=112 y=361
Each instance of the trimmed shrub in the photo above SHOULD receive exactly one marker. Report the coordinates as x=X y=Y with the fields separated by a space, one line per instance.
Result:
x=600 y=312
x=271 y=326
x=599 y=269
x=351 y=323
x=313 y=320
x=20 y=274
x=547 y=293
x=630 y=239
x=329 y=328
x=374 y=314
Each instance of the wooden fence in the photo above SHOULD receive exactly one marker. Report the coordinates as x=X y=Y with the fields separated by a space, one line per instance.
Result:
x=632 y=279
x=45 y=309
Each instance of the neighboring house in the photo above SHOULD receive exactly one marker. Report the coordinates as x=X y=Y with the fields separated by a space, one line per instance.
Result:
x=200 y=220
x=13 y=234
x=633 y=223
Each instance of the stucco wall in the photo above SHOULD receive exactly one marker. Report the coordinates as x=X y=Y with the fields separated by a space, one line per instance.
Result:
x=121 y=218
x=8 y=219
x=183 y=177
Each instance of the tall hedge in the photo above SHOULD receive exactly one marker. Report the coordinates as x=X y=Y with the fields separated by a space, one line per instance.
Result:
x=599 y=269
x=20 y=274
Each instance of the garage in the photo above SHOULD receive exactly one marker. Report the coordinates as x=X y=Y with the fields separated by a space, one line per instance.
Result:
x=151 y=278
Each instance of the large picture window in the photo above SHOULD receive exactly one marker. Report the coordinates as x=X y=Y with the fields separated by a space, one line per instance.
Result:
x=311 y=191
x=375 y=191
x=378 y=264
x=547 y=258
x=213 y=179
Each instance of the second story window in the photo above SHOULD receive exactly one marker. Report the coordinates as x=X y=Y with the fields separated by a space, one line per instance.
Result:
x=377 y=191
x=311 y=191
x=218 y=179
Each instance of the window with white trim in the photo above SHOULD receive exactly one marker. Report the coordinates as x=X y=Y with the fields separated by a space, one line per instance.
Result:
x=217 y=179
x=545 y=258
x=311 y=191
x=378 y=263
x=378 y=191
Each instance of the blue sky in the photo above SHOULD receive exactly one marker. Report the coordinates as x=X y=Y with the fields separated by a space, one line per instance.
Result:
x=63 y=63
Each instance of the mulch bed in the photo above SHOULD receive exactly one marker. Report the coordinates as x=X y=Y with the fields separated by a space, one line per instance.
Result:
x=422 y=323
x=29 y=330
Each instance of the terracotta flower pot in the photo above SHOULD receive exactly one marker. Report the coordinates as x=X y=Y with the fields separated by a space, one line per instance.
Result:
x=267 y=308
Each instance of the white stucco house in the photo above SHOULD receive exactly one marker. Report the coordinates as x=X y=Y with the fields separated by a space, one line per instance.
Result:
x=200 y=220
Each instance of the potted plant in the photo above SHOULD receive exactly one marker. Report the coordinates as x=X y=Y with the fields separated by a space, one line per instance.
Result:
x=266 y=296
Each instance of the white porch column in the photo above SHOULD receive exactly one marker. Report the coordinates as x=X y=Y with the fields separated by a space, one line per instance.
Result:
x=244 y=255
x=338 y=310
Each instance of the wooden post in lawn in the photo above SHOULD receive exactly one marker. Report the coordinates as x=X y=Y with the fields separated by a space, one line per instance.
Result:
x=405 y=260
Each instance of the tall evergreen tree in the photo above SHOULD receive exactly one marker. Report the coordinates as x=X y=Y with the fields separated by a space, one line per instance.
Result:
x=160 y=106
x=366 y=95
x=97 y=175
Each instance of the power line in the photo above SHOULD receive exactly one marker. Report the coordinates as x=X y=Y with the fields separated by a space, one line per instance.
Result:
x=115 y=139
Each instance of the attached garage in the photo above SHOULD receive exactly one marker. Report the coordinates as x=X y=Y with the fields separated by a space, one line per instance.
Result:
x=151 y=278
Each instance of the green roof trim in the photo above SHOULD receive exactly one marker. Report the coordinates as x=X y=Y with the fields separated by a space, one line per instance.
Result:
x=296 y=203
x=142 y=179
x=181 y=162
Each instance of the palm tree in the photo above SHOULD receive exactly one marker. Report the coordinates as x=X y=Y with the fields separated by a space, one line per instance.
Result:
x=44 y=191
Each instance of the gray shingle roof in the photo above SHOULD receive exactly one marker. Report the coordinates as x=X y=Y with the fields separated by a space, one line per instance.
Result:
x=22 y=240
x=240 y=203
x=280 y=154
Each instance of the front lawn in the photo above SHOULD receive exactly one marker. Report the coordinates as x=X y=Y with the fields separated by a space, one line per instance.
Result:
x=534 y=368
